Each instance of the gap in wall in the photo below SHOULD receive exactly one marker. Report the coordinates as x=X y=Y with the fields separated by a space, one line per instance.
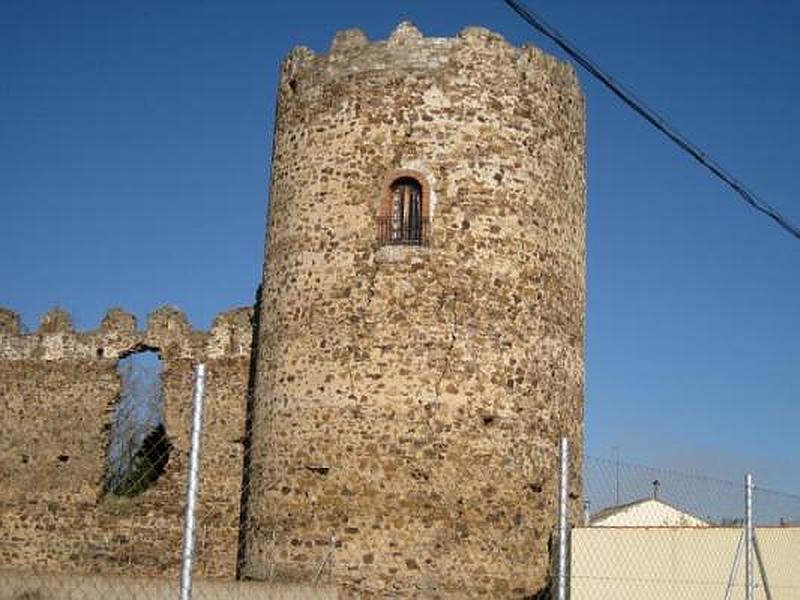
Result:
x=138 y=445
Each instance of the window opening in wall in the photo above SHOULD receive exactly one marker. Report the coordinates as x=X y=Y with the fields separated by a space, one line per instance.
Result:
x=138 y=446
x=404 y=224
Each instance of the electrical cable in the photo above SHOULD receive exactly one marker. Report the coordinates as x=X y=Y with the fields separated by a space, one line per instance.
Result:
x=653 y=118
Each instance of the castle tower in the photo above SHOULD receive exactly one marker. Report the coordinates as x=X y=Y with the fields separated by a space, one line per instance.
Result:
x=422 y=317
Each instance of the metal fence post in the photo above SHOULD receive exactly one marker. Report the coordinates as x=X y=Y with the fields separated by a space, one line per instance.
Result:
x=192 y=485
x=748 y=538
x=563 y=528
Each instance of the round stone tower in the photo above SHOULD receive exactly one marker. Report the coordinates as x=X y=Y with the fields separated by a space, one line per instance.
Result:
x=422 y=317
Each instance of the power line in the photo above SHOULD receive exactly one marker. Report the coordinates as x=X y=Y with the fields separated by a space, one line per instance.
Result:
x=653 y=118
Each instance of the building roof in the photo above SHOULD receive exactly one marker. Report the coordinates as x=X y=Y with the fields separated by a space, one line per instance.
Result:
x=647 y=512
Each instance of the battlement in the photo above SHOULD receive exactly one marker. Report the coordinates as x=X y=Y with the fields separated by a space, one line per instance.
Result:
x=407 y=49
x=423 y=283
x=168 y=331
x=60 y=395
x=409 y=387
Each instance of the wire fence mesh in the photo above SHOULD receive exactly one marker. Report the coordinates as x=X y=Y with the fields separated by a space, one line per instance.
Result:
x=88 y=523
x=652 y=533
x=636 y=532
x=116 y=527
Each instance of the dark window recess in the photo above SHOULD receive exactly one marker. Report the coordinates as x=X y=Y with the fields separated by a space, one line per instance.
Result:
x=405 y=226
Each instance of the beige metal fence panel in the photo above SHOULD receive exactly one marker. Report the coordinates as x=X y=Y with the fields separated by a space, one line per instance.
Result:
x=654 y=534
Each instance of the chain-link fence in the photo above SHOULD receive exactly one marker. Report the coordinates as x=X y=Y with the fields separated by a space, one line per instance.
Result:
x=141 y=520
x=168 y=525
x=655 y=534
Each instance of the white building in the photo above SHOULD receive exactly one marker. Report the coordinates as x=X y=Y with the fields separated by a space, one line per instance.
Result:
x=649 y=512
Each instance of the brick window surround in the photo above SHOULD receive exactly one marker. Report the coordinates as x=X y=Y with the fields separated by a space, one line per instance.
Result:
x=404 y=212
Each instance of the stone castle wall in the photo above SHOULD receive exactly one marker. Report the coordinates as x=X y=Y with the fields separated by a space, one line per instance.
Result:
x=409 y=400
x=58 y=390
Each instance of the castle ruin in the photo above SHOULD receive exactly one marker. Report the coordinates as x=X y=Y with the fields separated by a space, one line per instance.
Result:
x=418 y=345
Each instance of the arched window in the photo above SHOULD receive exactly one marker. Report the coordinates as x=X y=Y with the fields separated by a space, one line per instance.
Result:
x=403 y=219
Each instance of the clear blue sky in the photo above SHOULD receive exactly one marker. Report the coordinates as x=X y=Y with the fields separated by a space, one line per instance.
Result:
x=134 y=151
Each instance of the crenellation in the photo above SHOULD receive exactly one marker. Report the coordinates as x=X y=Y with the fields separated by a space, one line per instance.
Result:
x=118 y=321
x=405 y=33
x=231 y=334
x=418 y=374
x=59 y=388
x=349 y=39
x=482 y=35
x=9 y=322
x=405 y=397
x=168 y=321
x=56 y=320
x=168 y=331
x=311 y=79
x=298 y=60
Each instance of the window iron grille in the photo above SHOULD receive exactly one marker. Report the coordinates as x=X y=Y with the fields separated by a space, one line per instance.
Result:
x=392 y=232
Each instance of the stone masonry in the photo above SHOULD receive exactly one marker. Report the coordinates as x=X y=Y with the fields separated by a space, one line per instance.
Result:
x=58 y=389
x=409 y=399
